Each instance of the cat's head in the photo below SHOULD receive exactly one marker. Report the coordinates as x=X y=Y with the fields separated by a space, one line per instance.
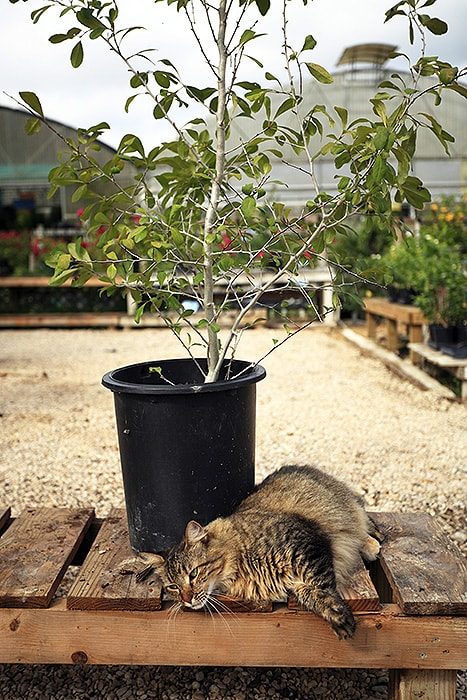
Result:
x=199 y=566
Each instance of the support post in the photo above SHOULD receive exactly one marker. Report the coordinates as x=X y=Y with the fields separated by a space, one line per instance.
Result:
x=414 y=684
x=393 y=337
x=371 y=325
x=415 y=336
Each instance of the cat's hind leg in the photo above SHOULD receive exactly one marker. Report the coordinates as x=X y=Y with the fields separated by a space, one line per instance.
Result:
x=328 y=604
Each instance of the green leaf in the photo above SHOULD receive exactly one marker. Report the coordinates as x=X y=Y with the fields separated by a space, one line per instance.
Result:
x=309 y=43
x=61 y=277
x=320 y=73
x=111 y=271
x=343 y=114
x=79 y=193
x=436 y=26
x=200 y=94
x=31 y=99
x=162 y=78
x=287 y=105
x=247 y=35
x=248 y=207
x=381 y=137
x=33 y=126
x=37 y=14
x=380 y=110
x=129 y=101
x=77 y=55
x=448 y=75
x=58 y=38
x=63 y=262
x=138 y=80
x=263 y=6
x=86 y=18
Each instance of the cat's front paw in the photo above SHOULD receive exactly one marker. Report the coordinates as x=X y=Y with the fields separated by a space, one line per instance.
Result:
x=342 y=621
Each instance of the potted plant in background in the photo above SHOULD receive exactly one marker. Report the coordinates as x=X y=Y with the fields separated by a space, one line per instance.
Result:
x=401 y=263
x=200 y=225
x=441 y=280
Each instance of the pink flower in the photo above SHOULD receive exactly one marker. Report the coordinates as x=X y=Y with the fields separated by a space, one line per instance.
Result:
x=260 y=254
x=80 y=212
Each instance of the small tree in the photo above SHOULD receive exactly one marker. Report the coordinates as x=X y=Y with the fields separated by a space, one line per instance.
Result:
x=204 y=218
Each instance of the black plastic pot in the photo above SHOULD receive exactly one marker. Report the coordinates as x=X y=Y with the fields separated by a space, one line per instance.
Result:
x=187 y=450
x=441 y=335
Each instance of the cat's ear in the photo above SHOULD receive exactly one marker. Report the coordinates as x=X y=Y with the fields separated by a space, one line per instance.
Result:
x=194 y=532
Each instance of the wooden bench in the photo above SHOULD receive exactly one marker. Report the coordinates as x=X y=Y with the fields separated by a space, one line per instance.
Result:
x=454 y=365
x=64 y=599
x=393 y=314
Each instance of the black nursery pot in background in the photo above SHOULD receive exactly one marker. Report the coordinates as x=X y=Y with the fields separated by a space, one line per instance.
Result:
x=187 y=450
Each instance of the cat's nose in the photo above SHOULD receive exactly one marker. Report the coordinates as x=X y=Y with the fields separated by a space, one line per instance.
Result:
x=186 y=596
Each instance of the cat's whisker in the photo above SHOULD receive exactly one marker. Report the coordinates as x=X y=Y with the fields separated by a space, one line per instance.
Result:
x=212 y=602
x=173 y=612
x=225 y=607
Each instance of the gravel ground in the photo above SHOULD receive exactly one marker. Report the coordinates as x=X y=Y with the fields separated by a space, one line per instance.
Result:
x=322 y=403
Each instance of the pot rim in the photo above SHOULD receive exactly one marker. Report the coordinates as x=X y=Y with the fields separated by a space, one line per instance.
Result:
x=110 y=380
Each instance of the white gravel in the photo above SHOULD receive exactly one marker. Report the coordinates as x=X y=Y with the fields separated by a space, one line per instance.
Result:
x=322 y=403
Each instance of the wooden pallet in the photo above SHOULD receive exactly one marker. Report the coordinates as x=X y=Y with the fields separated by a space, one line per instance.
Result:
x=411 y=606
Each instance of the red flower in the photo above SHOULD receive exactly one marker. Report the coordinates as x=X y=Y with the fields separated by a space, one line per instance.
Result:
x=260 y=254
x=80 y=212
x=226 y=242
x=36 y=247
x=136 y=218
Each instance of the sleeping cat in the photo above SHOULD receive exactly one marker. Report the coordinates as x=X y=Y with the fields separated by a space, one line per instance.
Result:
x=300 y=531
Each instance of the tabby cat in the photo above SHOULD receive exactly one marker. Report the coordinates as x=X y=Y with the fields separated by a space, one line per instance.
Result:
x=299 y=532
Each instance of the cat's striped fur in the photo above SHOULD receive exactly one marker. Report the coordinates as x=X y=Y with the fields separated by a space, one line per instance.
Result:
x=301 y=531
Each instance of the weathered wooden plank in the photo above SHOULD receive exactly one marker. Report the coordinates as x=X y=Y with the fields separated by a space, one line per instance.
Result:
x=426 y=571
x=243 y=606
x=4 y=516
x=77 y=319
x=404 y=313
x=283 y=637
x=409 y=684
x=360 y=594
x=35 y=552
x=101 y=585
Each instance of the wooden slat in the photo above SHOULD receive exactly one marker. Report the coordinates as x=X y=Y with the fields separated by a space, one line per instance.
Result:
x=35 y=552
x=360 y=594
x=58 y=320
x=424 y=568
x=101 y=585
x=383 y=639
x=244 y=606
x=4 y=516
